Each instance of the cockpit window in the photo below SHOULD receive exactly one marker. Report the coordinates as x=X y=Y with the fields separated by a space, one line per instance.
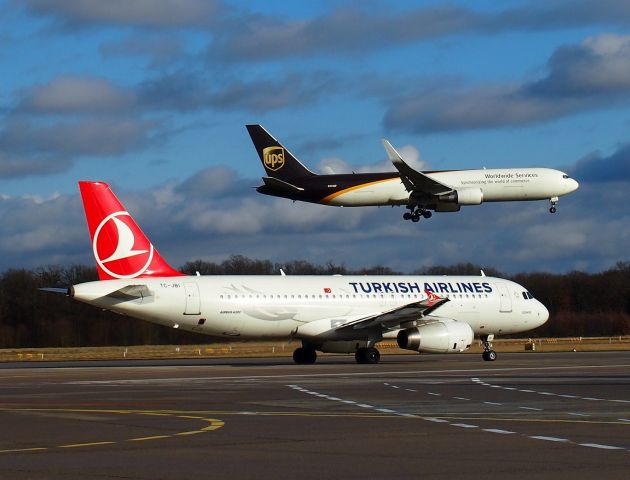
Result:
x=527 y=296
x=565 y=176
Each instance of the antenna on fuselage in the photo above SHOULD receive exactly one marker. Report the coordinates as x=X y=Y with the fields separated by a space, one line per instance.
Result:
x=282 y=273
x=482 y=273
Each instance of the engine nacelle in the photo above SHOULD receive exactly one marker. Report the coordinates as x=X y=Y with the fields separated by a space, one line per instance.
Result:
x=463 y=196
x=439 y=337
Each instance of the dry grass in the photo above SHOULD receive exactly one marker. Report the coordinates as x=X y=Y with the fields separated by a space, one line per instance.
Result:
x=283 y=349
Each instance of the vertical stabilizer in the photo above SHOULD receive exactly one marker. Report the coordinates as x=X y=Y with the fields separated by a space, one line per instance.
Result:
x=276 y=159
x=120 y=248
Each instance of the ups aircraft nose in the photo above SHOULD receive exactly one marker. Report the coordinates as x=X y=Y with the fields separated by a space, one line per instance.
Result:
x=573 y=185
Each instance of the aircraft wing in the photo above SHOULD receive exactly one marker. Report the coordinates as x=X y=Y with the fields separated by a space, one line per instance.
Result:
x=384 y=321
x=413 y=180
x=392 y=319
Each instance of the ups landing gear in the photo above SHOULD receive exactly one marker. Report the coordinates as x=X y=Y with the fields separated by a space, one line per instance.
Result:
x=415 y=213
x=553 y=201
x=488 y=354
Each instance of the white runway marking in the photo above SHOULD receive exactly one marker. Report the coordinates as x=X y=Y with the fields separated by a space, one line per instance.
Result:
x=597 y=445
x=550 y=439
x=497 y=431
x=549 y=394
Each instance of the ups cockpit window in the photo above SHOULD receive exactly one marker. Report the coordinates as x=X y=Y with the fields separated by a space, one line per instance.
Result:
x=565 y=176
x=527 y=296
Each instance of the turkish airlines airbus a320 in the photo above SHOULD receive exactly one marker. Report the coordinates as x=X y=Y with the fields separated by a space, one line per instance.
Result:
x=342 y=314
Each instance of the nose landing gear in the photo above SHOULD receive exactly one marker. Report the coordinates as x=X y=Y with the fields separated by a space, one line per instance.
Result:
x=553 y=201
x=488 y=354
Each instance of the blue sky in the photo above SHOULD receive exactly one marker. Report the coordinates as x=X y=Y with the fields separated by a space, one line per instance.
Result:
x=152 y=96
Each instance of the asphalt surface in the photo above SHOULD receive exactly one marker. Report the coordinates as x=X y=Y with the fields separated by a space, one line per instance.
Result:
x=564 y=415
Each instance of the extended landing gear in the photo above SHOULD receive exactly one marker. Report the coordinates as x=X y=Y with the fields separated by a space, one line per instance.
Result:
x=488 y=354
x=415 y=213
x=367 y=355
x=304 y=356
x=553 y=201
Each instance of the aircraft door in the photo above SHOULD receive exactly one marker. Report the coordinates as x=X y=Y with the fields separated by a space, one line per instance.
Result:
x=193 y=302
x=506 y=301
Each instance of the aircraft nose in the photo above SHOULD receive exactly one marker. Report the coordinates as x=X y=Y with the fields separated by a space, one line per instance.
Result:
x=543 y=314
x=573 y=185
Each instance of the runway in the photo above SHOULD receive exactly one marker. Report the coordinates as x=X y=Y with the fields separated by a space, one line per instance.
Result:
x=563 y=415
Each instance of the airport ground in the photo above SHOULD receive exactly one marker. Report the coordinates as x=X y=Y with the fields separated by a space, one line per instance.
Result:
x=527 y=415
x=285 y=348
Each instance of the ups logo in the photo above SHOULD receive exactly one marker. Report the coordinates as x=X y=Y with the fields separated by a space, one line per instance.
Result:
x=273 y=158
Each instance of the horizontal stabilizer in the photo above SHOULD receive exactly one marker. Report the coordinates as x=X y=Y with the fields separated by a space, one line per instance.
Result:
x=281 y=185
x=131 y=292
x=413 y=180
x=55 y=290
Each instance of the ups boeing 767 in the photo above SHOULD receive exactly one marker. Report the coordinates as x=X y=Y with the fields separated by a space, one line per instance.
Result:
x=420 y=192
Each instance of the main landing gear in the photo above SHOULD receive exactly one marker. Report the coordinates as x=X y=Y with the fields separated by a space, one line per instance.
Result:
x=304 y=356
x=367 y=355
x=488 y=354
x=415 y=213
x=553 y=201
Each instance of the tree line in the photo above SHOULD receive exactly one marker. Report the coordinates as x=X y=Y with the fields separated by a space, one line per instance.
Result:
x=580 y=304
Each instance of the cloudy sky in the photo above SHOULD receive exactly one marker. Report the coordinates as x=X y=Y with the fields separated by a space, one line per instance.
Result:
x=152 y=96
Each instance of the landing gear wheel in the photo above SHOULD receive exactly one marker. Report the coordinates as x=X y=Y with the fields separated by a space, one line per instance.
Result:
x=407 y=215
x=304 y=356
x=489 y=356
x=415 y=218
x=426 y=214
x=553 y=201
x=367 y=355
x=552 y=210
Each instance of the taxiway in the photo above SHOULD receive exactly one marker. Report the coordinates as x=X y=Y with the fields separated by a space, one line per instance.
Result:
x=563 y=415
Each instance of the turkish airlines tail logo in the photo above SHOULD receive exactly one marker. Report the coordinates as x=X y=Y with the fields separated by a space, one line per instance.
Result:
x=432 y=298
x=116 y=249
x=120 y=248
x=124 y=249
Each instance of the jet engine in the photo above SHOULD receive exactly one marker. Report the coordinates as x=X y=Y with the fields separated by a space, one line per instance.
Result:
x=445 y=336
x=463 y=196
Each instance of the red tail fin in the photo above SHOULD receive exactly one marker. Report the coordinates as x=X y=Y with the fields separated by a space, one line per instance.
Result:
x=120 y=248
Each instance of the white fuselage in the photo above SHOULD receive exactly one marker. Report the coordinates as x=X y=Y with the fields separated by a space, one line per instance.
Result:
x=497 y=185
x=309 y=306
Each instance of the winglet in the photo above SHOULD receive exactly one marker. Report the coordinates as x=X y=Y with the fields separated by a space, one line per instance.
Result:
x=392 y=153
x=406 y=172
x=413 y=180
